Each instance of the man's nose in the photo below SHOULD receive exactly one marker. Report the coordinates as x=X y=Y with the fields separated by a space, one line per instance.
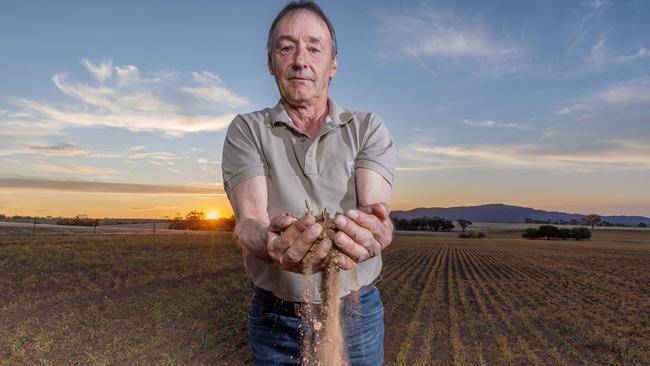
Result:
x=299 y=60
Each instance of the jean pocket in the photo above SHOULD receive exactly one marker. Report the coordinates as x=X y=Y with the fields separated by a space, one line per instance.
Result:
x=369 y=305
x=259 y=311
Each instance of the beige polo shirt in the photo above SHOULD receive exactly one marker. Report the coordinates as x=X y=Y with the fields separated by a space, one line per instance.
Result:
x=298 y=169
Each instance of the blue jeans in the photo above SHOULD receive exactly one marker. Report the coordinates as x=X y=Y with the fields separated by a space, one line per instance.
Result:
x=275 y=339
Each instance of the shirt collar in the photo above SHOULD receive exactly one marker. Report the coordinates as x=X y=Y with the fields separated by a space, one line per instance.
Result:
x=336 y=114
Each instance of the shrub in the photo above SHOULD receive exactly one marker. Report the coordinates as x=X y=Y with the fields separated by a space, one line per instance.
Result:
x=471 y=235
x=79 y=220
x=580 y=233
x=549 y=231
x=564 y=233
x=531 y=233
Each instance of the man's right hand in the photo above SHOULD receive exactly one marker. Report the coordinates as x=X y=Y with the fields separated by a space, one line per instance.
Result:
x=290 y=239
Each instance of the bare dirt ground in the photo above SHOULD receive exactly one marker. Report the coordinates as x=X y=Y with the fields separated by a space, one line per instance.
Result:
x=143 y=299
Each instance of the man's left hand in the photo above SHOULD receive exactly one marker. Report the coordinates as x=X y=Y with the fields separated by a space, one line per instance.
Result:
x=362 y=235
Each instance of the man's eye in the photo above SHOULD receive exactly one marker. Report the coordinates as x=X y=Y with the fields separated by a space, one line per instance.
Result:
x=314 y=50
x=286 y=49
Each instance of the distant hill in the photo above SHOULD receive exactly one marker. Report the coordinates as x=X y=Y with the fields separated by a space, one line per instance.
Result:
x=507 y=213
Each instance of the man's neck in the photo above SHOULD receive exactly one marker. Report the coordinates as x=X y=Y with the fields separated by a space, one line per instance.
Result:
x=308 y=119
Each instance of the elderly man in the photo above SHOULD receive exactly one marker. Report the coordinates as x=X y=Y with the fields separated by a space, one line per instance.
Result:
x=309 y=149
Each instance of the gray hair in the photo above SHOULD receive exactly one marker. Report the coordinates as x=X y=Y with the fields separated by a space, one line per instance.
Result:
x=296 y=6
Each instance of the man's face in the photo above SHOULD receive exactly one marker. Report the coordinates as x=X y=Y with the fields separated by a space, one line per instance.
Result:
x=301 y=58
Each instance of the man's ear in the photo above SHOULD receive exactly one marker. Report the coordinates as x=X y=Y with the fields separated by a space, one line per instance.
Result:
x=336 y=63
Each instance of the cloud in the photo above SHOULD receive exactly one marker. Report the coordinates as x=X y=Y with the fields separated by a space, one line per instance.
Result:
x=28 y=127
x=626 y=93
x=101 y=69
x=642 y=54
x=61 y=149
x=151 y=208
x=490 y=123
x=125 y=99
x=208 y=161
x=208 y=165
x=69 y=149
x=601 y=156
x=213 y=91
x=595 y=4
x=442 y=37
x=106 y=187
x=68 y=168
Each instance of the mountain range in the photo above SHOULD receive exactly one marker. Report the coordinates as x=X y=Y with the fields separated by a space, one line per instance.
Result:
x=508 y=214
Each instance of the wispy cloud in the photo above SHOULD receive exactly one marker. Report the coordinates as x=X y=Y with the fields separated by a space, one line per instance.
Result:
x=151 y=208
x=101 y=69
x=212 y=90
x=491 y=123
x=106 y=187
x=209 y=165
x=69 y=149
x=443 y=37
x=122 y=98
x=61 y=149
x=631 y=92
x=642 y=54
x=595 y=4
x=597 y=42
x=606 y=155
x=71 y=168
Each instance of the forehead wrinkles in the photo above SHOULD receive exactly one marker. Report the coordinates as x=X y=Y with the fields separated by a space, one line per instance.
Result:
x=304 y=25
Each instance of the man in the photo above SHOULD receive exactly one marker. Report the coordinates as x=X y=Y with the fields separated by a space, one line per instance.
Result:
x=308 y=149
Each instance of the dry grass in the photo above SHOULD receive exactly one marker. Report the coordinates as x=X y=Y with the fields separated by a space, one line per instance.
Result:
x=182 y=299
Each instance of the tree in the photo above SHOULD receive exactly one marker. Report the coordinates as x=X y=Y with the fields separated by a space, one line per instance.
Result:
x=579 y=233
x=564 y=233
x=642 y=224
x=592 y=219
x=463 y=223
x=549 y=231
x=530 y=233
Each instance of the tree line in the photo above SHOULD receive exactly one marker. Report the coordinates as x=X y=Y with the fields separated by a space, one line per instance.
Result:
x=195 y=220
x=552 y=232
x=424 y=223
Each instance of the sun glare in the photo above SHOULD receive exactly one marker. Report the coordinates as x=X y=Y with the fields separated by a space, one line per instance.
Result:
x=212 y=215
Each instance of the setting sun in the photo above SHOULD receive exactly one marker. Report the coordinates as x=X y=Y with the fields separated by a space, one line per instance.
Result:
x=212 y=215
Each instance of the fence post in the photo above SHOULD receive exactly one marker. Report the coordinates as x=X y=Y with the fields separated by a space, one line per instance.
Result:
x=154 y=227
x=34 y=224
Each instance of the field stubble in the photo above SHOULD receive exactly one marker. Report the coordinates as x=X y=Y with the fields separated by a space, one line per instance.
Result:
x=182 y=299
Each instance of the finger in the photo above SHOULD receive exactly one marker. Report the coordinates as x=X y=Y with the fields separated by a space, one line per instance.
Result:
x=344 y=262
x=281 y=222
x=381 y=210
x=296 y=252
x=293 y=232
x=321 y=251
x=350 y=247
x=360 y=234
x=368 y=221
x=274 y=247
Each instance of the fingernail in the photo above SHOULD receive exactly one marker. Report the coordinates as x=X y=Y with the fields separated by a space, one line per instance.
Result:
x=340 y=220
x=353 y=214
x=315 y=228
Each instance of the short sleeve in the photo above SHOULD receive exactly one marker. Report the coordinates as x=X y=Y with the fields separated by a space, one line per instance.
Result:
x=241 y=158
x=377 y=152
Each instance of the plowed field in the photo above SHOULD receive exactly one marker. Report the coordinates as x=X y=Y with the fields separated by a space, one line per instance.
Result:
x=182 y=299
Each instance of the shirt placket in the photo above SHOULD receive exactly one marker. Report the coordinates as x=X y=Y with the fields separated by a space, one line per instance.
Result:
x=311 y=148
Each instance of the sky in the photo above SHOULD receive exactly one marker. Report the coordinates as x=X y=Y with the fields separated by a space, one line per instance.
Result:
x=119 y=109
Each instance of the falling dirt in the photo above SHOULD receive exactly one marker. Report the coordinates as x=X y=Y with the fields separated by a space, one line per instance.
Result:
x=323 y=339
